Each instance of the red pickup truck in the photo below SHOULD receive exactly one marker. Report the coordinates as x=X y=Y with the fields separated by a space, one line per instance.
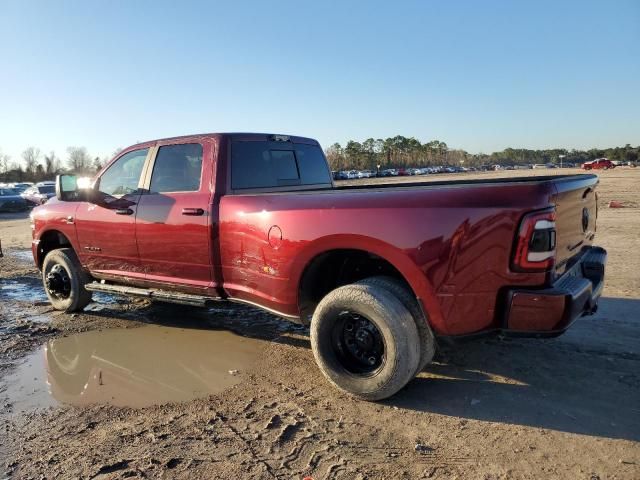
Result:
x=379 y=272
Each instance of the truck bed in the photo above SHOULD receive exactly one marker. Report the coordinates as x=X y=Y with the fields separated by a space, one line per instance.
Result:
x=467 y=181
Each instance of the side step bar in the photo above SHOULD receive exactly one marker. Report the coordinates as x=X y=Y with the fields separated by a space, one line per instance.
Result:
x=153 y=294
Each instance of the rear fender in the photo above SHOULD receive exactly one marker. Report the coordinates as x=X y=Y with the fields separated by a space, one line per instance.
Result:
x=414 y=277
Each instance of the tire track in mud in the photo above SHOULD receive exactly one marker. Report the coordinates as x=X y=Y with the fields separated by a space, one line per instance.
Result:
x=294 y=444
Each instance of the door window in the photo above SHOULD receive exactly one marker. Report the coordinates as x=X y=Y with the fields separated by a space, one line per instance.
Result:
x=178 y=168
x=122 y=177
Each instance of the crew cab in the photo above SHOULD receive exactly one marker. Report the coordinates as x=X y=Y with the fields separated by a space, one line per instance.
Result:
x=380 y=272
x=598 y=164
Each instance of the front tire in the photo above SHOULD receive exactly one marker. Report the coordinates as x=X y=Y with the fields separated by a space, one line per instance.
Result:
x=64 y=280
x=365 y=341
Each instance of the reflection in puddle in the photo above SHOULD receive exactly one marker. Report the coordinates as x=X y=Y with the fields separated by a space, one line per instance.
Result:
x=22 y=291
x=131 y=367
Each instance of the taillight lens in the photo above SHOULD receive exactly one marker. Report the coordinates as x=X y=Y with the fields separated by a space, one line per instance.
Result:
x=535 y=249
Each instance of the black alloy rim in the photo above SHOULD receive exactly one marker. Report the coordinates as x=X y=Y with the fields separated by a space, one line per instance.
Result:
x=358 y=344
x=58 y=282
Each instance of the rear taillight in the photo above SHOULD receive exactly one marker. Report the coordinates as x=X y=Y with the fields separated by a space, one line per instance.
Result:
x=535 y=249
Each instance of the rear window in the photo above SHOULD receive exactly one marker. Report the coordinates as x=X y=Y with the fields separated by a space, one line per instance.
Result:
x=277 y=164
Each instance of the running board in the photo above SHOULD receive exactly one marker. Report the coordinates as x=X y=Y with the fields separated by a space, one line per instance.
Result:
x=153 y=294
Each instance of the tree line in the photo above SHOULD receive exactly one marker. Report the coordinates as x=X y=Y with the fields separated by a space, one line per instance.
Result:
x=34 y=166
x=399 y=151
x=392 y=152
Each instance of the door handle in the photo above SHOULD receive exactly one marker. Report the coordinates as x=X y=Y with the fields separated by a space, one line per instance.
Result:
x=124 y=211
x=193 y=211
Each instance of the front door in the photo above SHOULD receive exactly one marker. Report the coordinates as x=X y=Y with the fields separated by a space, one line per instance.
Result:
x=174 y=218
x=107 y=236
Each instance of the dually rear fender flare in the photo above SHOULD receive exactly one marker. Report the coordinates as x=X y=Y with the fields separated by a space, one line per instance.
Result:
x=396 y=257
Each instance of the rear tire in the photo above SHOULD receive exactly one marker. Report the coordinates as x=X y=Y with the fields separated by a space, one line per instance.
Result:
x=64 y=280
x=427 y=339
x=365 y=341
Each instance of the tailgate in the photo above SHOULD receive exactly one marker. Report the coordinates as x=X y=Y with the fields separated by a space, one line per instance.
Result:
x=576 y=211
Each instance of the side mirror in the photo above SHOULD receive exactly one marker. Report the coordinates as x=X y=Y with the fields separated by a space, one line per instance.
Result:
x=70 y=188
x=66 y=187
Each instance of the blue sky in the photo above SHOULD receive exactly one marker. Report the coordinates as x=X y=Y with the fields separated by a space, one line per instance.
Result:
x=479 y=75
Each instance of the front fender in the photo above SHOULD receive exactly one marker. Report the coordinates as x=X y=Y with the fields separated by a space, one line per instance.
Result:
x=49 y=223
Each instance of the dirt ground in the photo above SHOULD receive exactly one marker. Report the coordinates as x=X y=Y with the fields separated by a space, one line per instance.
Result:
x=489 y=409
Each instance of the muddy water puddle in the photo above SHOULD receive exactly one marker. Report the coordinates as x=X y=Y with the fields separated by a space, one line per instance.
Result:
x=25 y=290
x=23 y=255
x=135 y=367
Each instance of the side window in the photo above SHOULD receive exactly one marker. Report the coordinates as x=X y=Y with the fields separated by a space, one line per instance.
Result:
x=122 y=177
x=178 y=168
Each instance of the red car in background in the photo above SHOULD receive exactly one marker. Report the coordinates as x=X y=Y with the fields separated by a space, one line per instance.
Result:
x=598 y=163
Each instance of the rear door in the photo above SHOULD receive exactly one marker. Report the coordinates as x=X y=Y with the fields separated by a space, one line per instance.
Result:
x=175 y=215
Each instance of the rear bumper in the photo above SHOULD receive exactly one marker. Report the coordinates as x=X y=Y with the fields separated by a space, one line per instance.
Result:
x=550 y=311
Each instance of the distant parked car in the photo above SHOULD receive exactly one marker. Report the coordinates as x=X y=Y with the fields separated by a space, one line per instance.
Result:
x=598 y=164
x=40 y=193
x=11 y=201
x=21 y=187
x=539 y=165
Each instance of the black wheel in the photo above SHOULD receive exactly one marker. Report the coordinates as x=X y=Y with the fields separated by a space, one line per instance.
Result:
x=64 y=280
x=365 y=341
x=427 y=339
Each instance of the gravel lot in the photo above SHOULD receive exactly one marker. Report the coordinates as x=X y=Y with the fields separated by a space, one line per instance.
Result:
x=75 y=406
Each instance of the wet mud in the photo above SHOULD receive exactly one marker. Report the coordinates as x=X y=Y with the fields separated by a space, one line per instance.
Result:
x=139 y=367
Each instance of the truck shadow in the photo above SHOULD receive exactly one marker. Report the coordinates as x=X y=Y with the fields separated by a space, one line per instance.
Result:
x=586 y=381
